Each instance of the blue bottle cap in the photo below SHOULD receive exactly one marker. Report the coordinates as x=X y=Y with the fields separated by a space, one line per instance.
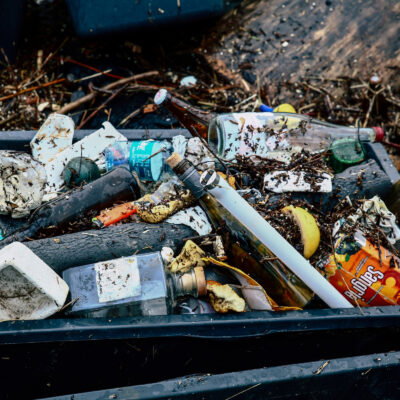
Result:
x=265 y=108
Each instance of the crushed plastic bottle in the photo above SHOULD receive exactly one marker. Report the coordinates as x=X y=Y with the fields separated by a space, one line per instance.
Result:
x=145 y=157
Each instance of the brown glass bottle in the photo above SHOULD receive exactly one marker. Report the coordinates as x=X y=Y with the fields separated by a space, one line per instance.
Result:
x=195 y=120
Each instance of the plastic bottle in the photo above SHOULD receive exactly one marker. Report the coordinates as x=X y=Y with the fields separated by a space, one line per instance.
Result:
x=136 y=285
x=265 y=134
x=291 y=277
x=146 y=157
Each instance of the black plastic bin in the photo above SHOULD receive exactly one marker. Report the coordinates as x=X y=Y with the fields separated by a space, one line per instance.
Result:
x=60 y=356
x=373 y=376
x=96 y=17
x=11 y=13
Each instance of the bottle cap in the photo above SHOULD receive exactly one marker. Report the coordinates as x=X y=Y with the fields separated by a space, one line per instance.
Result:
x=380 y=134
x=160 y=96
x=209 y=179
x=201 y=281
x=346 y=152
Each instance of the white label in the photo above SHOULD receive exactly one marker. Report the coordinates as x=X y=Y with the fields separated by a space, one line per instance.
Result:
x=117 y=279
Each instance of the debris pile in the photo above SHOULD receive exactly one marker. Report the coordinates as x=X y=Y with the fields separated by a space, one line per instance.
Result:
x=253 y=207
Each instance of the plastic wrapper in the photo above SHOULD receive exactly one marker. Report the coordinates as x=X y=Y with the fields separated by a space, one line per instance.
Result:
x=22 y=182
x=193 y=217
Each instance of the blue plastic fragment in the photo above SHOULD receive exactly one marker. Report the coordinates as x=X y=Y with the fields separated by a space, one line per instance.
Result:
x=265 y=108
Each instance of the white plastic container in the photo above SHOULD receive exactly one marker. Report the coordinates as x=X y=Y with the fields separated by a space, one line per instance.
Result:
x=29 y=288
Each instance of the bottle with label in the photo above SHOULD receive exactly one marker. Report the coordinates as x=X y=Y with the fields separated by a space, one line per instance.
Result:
x=266 y=134
x=290 y=277
x=146 y=157
x=128 y=286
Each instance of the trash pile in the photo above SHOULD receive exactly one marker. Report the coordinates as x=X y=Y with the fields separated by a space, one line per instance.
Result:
x=257 y=211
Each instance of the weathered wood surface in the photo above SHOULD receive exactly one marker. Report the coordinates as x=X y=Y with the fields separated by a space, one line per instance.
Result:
x=281 y=40
x=87 y=247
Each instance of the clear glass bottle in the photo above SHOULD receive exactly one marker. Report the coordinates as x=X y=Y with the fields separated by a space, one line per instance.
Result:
x=266 y=134
x=146 y=157
x=128 y=286
x=286 y=275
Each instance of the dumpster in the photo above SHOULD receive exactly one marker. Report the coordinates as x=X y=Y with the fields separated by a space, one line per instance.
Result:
x=370 y=376
x=100 y=353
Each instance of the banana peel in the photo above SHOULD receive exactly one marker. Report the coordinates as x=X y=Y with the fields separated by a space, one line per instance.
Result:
x=310 y=234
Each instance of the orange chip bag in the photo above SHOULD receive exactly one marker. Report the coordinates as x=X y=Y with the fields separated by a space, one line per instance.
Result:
x=362 y=275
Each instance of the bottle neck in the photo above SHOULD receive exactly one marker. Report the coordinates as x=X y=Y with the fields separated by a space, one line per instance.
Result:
x=190 y=178
x=192 y=118
x=187 y=284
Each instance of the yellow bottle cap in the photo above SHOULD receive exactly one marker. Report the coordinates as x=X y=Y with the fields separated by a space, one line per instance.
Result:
x=285 y=108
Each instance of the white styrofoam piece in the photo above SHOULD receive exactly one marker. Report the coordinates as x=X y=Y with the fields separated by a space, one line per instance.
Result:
x=91 y=146
x=29 y=288
x=193 y=217
x=53 y=137
x=295 y=181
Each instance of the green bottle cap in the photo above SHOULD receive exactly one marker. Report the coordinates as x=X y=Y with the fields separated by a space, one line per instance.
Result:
x=345 y=153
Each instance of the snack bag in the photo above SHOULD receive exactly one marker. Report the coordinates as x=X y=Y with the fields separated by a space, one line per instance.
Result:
x=361 y=274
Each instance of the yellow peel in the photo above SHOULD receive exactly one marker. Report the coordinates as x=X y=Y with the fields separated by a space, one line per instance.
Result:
x=310 y=234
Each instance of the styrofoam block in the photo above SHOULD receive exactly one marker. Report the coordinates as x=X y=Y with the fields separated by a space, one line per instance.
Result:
x=297 y=181
x=53 y=137
x=29 y=288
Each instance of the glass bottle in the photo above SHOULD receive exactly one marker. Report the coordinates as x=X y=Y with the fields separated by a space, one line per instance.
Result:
x=195 y=120
x=146 y=157
x=266 y=134
x=127 y=286
x=290 y=278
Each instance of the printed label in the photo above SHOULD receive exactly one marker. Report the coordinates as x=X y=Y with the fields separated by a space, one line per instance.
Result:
x=117 y=279
x=365 y=275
